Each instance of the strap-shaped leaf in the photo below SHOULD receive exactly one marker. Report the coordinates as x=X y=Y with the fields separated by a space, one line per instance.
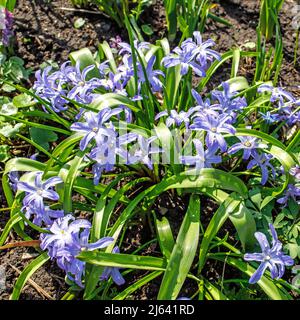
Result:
x=220 y=216
x=27 y=273
x=165 y=236
x=101 y=218
x=9 y=225
x=137 y=285
x=183 y=253
x=121 y=260
x=68 y=173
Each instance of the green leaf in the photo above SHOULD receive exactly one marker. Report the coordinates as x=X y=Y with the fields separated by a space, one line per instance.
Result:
x=109 y=100
x=27 y=273
x=4 y=153
x=121 y=260
x=245 y=225
x=220 y=216
x=9 y=225
x=183 y=253
x=165 y=236
x=205 y=181
x=101 y=219
x=23 y=100
x=8 y=130
x=171 y=15
x=8 y=109
x=68 y=173
x=147 y=29
x=42 y=137
x=86 y=59
x=23 y=164
x=235 y=62
x=200 y=180
x=105 y=49
x=214 y=291
x=137 y=285
x=79 y=23
x=8 y=88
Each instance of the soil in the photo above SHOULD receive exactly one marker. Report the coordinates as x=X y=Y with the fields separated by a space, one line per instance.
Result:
x=44 y=31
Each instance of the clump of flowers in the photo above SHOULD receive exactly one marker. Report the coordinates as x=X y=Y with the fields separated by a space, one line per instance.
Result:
x=284 y=102
x=122 y=115
x=67 y=239
x=193 y=54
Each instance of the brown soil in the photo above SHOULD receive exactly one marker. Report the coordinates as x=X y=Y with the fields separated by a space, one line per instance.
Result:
x=46 y=32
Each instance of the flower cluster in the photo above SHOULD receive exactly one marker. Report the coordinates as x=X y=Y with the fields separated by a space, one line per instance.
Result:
x=270 y=257
x=193 y=54
x=215 y=116
x=100 y=132
x=6 y=26
x=34 y=201
x=284 y=103
x=70 y=82
x=83 y=85
x=67 y=239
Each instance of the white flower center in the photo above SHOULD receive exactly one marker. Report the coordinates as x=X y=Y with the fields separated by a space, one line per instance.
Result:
x=247 y=144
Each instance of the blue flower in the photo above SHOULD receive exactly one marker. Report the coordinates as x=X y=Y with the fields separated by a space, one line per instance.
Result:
x=46 y=215
x=295 y=171
x=224 y=98
x=124 y=72
x=271 y=258
x=63 y=234
x=126 y=48
x=263 y=161
x=175 y=118
x=38 y=191
x=81 y=86
x=152 y=75
x=268 y=117
x=292 y=192
x=277 y=94
x=67 y=239
x=50 y=88
x=94 y=123
x=248 y=144
x=201 y=49
x=203 y=159
x=13 y=180
x=6 y=25
x=214 y=128
x=186 y=59
x=192 y=54
x=105 y=157
x=113 y=272
x=205 y=107
x=142 y=151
